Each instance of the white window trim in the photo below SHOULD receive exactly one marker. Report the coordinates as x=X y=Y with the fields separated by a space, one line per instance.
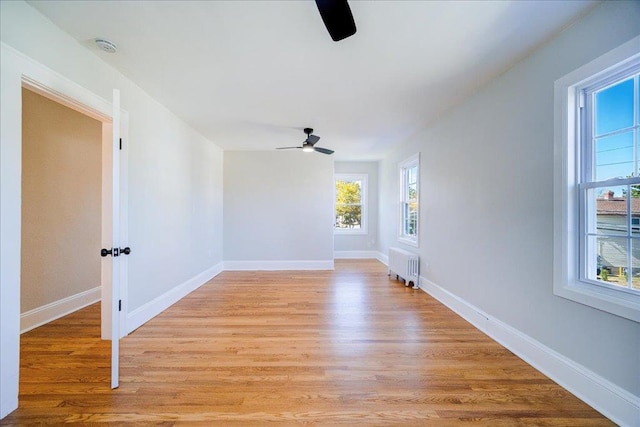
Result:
x=364 y=178
x=566 y=228
x=403 y=238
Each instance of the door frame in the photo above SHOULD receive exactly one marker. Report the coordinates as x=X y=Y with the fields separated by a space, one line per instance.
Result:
x=89 y=104
x=16 y=67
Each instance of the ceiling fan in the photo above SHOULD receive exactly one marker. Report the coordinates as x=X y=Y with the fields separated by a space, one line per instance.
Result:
x=337 y=17
x=309 y=144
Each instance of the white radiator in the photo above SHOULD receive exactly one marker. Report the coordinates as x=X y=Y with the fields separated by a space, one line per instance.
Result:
x=405 y=264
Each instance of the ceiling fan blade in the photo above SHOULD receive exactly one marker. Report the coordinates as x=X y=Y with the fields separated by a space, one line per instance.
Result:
x=337 y=17
x=323 y=150
x=286 y=148
x=312 y=139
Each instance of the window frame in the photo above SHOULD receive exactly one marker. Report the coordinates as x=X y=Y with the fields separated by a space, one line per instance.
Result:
x=403 y=167
x=568 y=215
x=364 y=188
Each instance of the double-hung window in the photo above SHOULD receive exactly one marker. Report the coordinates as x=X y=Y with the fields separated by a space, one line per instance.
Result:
x=409 y=200
x=597 y=193
x=351 y=203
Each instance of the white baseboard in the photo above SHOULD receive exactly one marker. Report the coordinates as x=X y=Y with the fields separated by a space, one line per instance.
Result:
x=613 y=402
x=39 y=316
x=356 y=254
x=142 y=315
x=278 y=265
x=383 y=258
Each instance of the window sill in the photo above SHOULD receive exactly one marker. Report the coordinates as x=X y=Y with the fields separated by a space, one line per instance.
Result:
x=611 y=301
x=410 y=242
x=338 y=232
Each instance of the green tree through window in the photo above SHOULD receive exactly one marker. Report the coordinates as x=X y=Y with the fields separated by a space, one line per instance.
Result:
x=348 y=204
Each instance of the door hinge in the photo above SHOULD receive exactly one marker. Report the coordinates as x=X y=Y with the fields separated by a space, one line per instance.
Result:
x=121 y=143
x=120 y=305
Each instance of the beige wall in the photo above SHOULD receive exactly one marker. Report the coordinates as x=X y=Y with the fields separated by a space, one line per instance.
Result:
x=61 y=202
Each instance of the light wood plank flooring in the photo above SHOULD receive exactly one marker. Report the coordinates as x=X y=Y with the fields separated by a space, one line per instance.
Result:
x=348 y=346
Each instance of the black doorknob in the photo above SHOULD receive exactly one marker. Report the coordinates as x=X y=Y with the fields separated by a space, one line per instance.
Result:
x=105 y=252
x=125 y=251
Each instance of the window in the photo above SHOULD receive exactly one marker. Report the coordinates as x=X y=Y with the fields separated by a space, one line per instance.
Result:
x=409 y=204
x=351 y=204
x=597 y=183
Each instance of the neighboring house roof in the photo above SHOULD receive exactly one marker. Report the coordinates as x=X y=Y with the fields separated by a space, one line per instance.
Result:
x=617 y=206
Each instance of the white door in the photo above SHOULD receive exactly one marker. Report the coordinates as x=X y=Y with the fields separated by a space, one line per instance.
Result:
x=112 y=252
x=115 y=230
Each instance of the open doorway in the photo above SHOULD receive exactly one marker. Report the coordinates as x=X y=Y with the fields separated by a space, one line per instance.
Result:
x=71 y=175
x=61 y=210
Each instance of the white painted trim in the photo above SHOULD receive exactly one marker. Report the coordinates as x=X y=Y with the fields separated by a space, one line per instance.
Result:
x=383 y=258
x=47 y=313
x=278 y=265
x=65 y=90
x=613 y=402
x=356 y=254
x=142 y=315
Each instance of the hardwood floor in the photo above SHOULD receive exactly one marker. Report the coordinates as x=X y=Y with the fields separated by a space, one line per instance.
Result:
x=348 y=346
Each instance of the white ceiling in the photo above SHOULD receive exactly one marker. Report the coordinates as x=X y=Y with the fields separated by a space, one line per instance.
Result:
x=250 y=75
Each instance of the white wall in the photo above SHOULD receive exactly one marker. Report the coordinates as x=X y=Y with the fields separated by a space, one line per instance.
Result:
x=369 y=241
x=278 y=208
x=175 y=204
x=174 y=176
x=486 y=203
